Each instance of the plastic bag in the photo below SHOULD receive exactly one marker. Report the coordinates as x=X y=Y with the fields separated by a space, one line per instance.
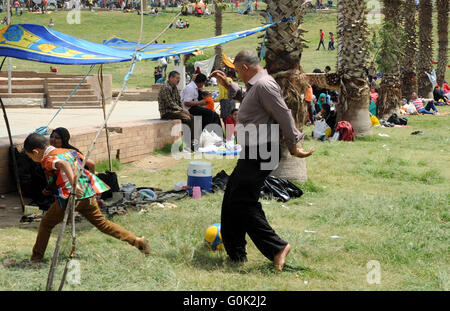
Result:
x=209 y=139
x=374 y=120
x=280 y=189
x=321 y=128
x=147 y=195
x=220 y=181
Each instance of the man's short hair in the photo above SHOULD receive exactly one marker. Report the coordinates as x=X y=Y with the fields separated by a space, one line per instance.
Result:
x=173 y=74
x=247 y=57
x=200 y=78
x=328 y=68
x=35 y=141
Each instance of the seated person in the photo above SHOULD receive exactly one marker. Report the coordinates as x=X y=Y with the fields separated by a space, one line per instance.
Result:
x=59 y=138
x=438 y=96
x=186 y=24
x=322 y=100
x=418 y=103
x=160 y=80
x=446 y=88
x=330 y=117
x=158 y=73
x=230 y=124
x=179 y=24
x=170 y=105
x=190 y=100
x=208 y=97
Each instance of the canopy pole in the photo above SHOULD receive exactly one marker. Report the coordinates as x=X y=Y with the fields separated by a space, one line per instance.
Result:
x=100 y=82
x=71 y=203
x=13 y=154
x=11 y=149
x=9 y=58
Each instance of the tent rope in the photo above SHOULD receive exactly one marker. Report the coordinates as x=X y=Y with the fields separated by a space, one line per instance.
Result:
x=71 y=204
x=43 y=129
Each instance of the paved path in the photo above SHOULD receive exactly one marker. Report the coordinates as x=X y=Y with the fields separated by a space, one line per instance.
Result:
x=26 y=120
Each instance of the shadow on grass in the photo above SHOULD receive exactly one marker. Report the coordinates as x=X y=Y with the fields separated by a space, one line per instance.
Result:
x=204 y=258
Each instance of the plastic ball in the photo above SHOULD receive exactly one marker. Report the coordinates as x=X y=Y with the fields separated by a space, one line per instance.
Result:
x=213 y=238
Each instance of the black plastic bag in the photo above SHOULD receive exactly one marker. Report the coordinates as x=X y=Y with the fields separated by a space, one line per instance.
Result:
x=31 y=178
x=395 y=119
x=280 y=189
x=219 y=182
x=109 y=178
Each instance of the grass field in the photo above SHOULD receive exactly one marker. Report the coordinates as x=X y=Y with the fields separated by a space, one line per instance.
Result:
x=387 y=198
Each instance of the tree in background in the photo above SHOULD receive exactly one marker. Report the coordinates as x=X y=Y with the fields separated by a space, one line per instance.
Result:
x=353 y=55
x=392 y=41
x=425 y=61
x=443 y=10
x=283 y=50
x=409 y=59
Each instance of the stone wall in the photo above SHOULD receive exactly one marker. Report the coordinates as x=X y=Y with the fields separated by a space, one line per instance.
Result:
x=130 y=141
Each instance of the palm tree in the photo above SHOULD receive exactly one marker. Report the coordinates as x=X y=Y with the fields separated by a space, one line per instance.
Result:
x=425 y=59
x=283 y=51
x=443 y=10
x=409 y=62
x=353 y=54
x=218 y=49
x=389 y=60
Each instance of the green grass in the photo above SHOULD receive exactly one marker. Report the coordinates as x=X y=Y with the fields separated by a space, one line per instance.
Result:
x=383 y=204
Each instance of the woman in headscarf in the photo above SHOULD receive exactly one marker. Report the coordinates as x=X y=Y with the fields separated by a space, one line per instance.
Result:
x=60 y=137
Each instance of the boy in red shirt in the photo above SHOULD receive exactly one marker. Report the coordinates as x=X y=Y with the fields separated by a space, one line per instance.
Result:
x=322 y=40
x=60 y=166
x=230 y=124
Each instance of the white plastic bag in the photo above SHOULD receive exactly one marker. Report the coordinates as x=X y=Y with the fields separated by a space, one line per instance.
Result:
x=209 y=139
x=320 y=128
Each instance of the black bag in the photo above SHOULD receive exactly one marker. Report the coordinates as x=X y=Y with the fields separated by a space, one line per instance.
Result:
x=281 y=189
x=31 y=178
x=220 y=181
x=395 y=119
x=109 y=178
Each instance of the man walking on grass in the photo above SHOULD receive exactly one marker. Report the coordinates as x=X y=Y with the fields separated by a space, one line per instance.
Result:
x=262 y=104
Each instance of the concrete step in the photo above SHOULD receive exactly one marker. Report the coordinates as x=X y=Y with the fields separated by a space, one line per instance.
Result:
x=23 y=95
x=77 y=104
x=54 y=92
x=67 y=86
x=66 y=80
x=75 y=98
x=23 y=82
x=22 y=90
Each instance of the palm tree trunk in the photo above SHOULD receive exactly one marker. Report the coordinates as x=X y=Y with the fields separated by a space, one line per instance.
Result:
x=353 y=57
x=390 y=88
x=443 y=10
x=218 y=48
x=426 y=48
x=409 y=74
x=284 y=46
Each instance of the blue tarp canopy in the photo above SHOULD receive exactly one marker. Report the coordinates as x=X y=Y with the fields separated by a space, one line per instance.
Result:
x=41 y=44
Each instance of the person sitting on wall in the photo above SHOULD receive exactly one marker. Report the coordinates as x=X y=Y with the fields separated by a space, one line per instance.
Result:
x=190 y=99
x=170 y=105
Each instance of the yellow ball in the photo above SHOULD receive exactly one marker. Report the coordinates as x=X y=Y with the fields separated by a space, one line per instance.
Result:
x=213 y=238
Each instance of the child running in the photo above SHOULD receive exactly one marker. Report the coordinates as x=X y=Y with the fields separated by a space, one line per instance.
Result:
x=61 y=165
